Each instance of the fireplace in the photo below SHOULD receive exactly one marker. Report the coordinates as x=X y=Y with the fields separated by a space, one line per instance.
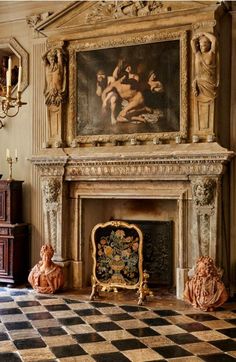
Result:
x=179 y=184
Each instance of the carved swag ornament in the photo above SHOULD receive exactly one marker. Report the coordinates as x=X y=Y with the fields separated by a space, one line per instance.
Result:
x=107 y=10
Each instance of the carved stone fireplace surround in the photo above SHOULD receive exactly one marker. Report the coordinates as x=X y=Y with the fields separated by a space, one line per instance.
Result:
x=190 y=174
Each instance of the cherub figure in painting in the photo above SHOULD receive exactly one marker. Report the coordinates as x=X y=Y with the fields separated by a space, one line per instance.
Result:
x=205 y=291
x=205 y=82
x=46 y=277
x=124 y=95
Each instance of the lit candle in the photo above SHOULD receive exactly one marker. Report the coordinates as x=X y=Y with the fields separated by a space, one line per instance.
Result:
x=19 y=78
x=16 y=154
x=9 y=71
x=7 y=153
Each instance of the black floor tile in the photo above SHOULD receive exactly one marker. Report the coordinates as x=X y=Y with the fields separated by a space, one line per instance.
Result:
x=101 y=304
x=51 y=331
x=3 y=337
x=172 y=351
x=29 y=343
x=9 y=357
x=105 y=326
x=71 y=321
x=183 y=338
x=201 y=317
x=133 y=308
x=217 y=357
x=225 y=344
x=166 y=312
x=18 y=325
x=127 y=344
x=110 y=357
x=193 y=327
x=120 y=316
x=28 y=303
x=39 y=297
x=68 y=351
x=6 y=299
x=57 y=307
x=229 y=332
x=143 y=332
x=87 y=312
x=156 y=322
x=71 y=301
x=88 y=338
x=19 y=292
x=39 y=316
x=231 y=320
x=6 y=311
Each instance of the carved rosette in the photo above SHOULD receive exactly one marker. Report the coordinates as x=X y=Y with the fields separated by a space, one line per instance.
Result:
x=51 y=189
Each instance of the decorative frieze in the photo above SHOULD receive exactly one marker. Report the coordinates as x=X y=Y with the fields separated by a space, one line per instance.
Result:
x=140 y=169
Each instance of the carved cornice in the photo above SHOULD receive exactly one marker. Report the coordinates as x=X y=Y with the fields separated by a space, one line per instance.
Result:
x=135 y=162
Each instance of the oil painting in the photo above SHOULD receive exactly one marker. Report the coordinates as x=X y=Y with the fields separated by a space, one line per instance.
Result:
x=129 y=89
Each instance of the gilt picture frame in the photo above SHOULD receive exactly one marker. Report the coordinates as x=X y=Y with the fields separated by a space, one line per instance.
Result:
x=120 y=93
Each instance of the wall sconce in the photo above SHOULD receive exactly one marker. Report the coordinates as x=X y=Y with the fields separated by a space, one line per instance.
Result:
x=13 y=78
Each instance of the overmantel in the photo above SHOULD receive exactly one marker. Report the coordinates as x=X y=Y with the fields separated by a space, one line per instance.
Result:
x=75 y=20
x=142 y=162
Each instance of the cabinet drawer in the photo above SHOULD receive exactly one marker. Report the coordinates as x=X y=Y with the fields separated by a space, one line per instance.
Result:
x=4 y=231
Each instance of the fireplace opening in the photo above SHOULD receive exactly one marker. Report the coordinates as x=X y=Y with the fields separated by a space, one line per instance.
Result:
x=157 y=251
x=156 y=218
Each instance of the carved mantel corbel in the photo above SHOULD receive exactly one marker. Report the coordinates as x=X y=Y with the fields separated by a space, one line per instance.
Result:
x=205 y=196
x=54 y=201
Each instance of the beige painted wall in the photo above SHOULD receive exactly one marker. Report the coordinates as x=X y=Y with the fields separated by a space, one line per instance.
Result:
x=19 y=132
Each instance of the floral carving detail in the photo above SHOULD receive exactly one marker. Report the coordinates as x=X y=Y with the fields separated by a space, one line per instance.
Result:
x=51 y=189
x=204 y=191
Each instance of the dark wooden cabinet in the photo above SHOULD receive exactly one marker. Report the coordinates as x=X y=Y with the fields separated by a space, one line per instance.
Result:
x=14 y=243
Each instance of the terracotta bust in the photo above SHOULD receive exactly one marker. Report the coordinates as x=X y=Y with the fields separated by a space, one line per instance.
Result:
x=205 y=291
x=46 y=277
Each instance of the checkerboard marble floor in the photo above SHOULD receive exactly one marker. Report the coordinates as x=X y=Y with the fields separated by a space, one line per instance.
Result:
x=41 y=328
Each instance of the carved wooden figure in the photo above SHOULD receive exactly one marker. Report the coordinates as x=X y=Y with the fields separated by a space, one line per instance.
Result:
x=55 y=90
x=46 y=277
x=205 y=83
x=205 y=291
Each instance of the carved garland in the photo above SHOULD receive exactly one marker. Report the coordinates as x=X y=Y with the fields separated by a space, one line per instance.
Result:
x=76 y=46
